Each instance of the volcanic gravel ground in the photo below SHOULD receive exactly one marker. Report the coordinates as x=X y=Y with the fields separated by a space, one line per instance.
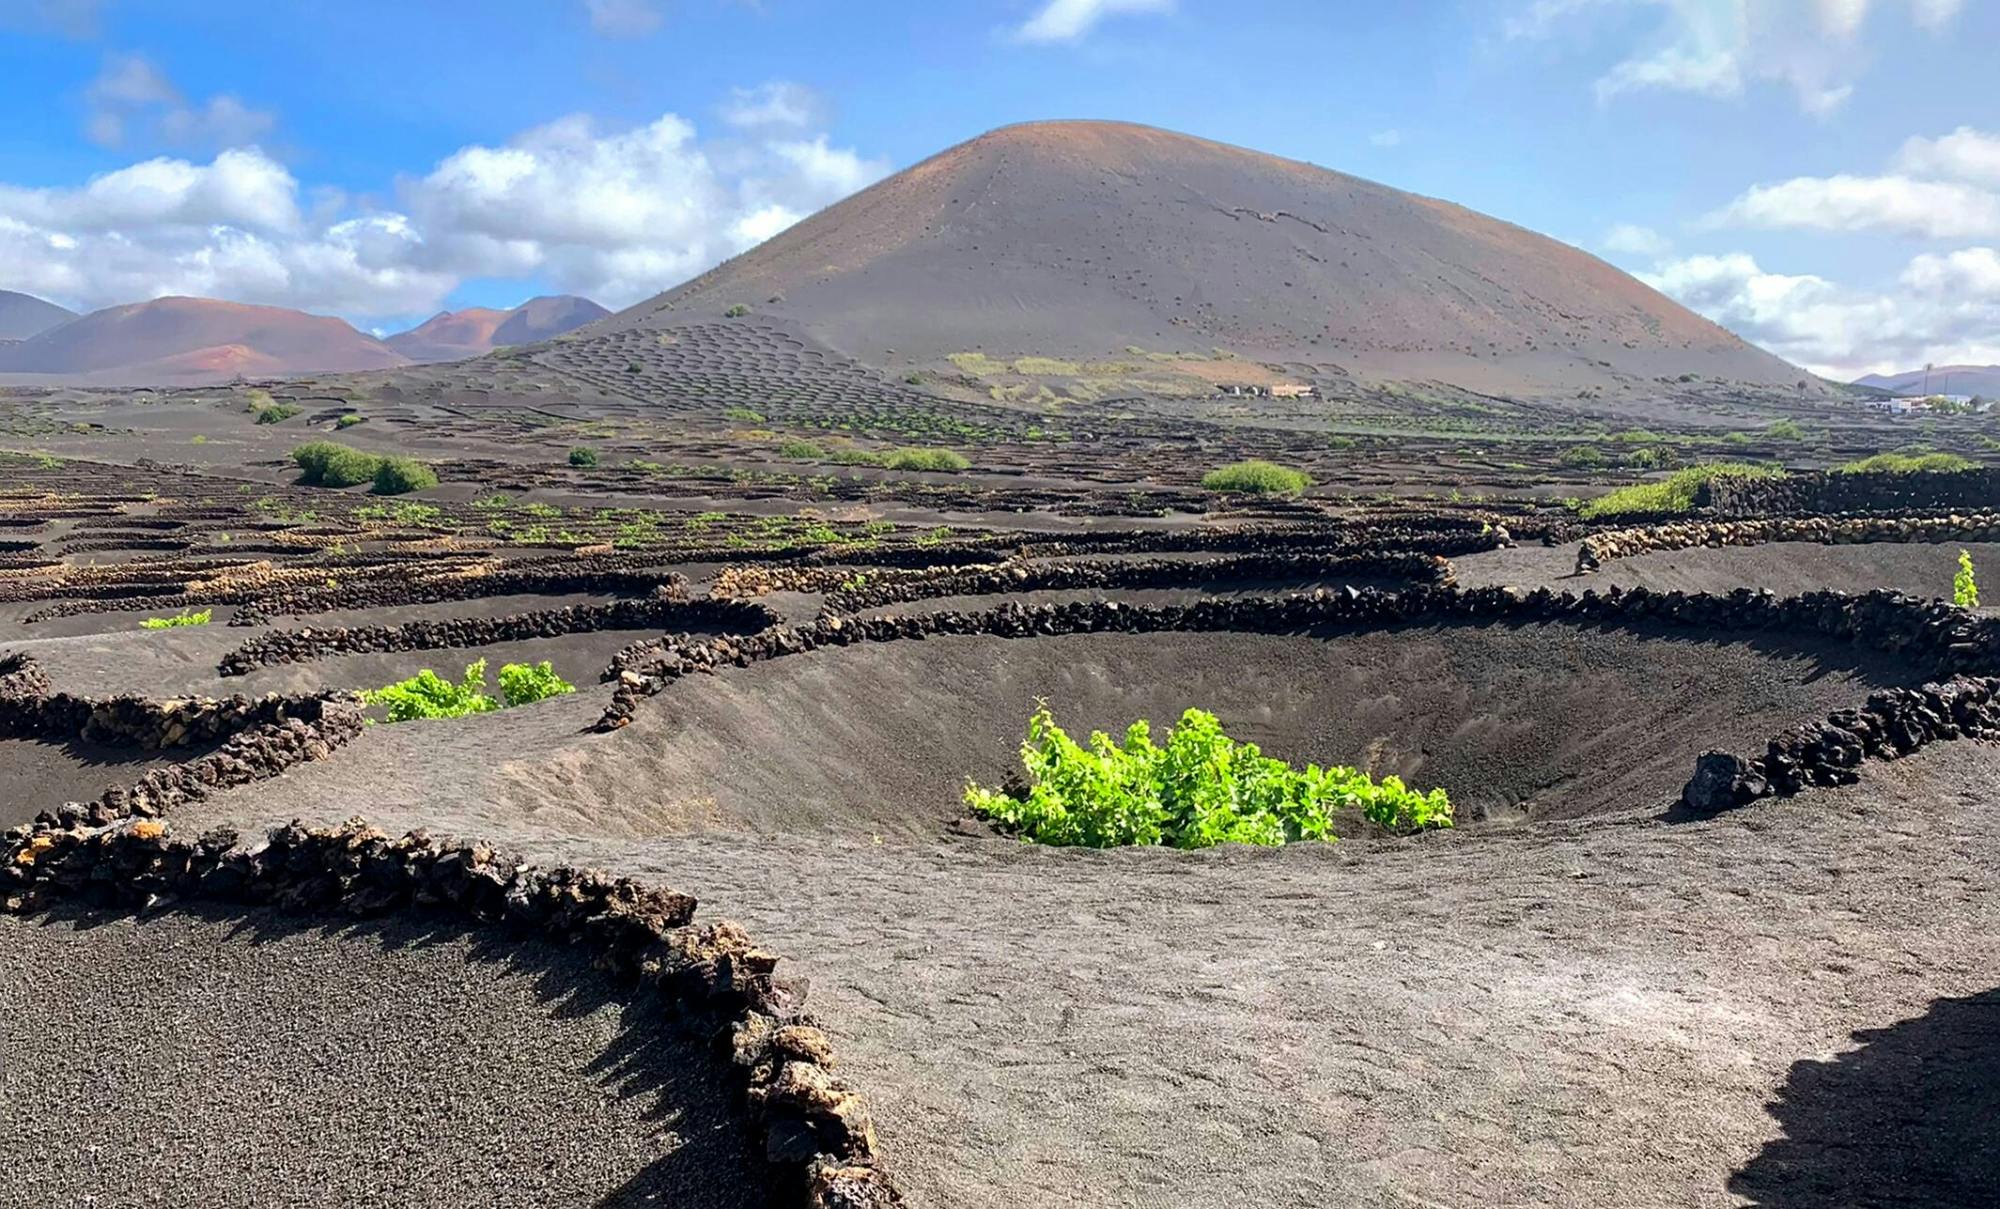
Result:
x=35 y=775
x=216 y=1060
x=1787 y=568
x=1614 y=1011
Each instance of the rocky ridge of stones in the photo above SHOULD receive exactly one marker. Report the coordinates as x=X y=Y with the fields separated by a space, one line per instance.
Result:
x=260 y=738
x=1824 y=530
x=713 y=980
x=1835 y=491
x=668 y=611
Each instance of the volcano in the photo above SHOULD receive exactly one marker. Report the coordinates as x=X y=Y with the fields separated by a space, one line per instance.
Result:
x=1096 y=239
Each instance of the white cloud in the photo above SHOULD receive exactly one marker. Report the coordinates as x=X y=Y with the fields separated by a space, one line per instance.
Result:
x=1717 y=48
x=780 y=104
x=132 y=95
x=1943 y=309
x=69 y=18
x=1900 y=204
x=1386 y=138
x=1965 y=154
x=614 y=214
x=1069 y=20
x=1631 y=239
x=623 y=18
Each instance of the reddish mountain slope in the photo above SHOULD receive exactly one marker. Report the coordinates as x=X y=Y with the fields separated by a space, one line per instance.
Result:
x=196 y=339
x=1078 y=239
x=456 y=335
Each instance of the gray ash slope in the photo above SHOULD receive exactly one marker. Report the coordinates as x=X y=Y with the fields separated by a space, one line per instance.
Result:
x=1079 y=239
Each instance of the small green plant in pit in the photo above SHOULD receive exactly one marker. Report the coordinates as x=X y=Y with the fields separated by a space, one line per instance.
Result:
x=736 y=312
x=1910 y=463
x=944 y=460
x=743 y=415
x=801 y=451
x=429 y=695
x=583 y=456
x=1964 y=585
x=1785 y=430
x=1257 y=477
x=525 y=684
x=182 y=618
x=1675 y=493
x=1200 y=789
x=277 y=413
x=350 y=419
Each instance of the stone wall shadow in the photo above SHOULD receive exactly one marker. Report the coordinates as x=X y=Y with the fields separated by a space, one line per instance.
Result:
x=680 y=1070
x=1911 y=1118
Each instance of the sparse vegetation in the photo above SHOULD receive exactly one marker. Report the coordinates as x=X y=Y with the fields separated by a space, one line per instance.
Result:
x=182 y=618
x=736 y=312
x=429 y=695
x=1965 y=585
x=801 y=451
x=583 y=457
x=350 y=419
x=1910 y=463
x=1257 y=477
x=276 y=413
x=943 y=460
x=327 y=464
x=1785 y=430
x=1675 y=493
x=1200 y=789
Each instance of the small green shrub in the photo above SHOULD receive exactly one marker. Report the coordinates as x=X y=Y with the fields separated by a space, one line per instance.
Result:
x=857 y=457
x=429 y=695
x=1675 y=493
x=1785 y=430
x=1202 y=788
x=326 y=464
x=350 y=419
x=525 y=684
x=1257 y=477
x=277 y=413
x=743 y=415
x=943 y=460
x=1910 y=463
x=182 y=618
x=1964 y=585
x=736 y=312
x=583 y=456
x=801 y=451
x=395 y=476
x=1581 y=457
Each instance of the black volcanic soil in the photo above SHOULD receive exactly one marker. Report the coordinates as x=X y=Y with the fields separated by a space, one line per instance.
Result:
x=212 y=1060
x=1786 y=568
x=35 y=775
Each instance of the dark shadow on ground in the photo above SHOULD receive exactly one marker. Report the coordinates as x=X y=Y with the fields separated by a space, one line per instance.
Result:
x=680 y=1069
x=1911 y=1118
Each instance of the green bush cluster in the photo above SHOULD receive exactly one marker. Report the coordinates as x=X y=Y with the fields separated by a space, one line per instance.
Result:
x=328 y=464
x=1910 y=463
x=943 y=460
x=583 y=456
x=1202 y=788
x=182 y=618
x=801 y=451
x=1965 y=585
x=1675 y=493
x=350 y=419
x=276 y=413
x=1257 y=477
x=429 y=695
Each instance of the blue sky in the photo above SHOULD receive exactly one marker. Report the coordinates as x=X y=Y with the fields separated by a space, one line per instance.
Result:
x=1821 y=175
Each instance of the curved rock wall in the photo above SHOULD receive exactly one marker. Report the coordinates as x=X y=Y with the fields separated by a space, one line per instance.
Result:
x=1824 y=491
x=1825 y=530
x=665 y=612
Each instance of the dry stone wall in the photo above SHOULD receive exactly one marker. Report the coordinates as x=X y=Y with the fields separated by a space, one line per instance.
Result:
x=1825 y=530
x=1825 y=491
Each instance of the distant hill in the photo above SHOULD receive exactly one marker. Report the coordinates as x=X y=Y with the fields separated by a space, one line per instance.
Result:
x=1089 y=240
x=456 y=335
x=1983 y=380
x=449 y=335
x=24 y=315
x=187 y=340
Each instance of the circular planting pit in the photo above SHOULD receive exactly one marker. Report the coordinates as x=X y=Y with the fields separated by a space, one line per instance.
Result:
x=1543 y=719
x=400 y=1062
